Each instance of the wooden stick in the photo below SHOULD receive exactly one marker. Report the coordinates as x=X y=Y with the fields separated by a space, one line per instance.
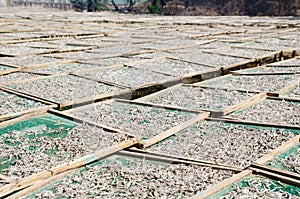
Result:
x=276 y=171
x=223 y=184
x=276 y=176
x=246 y=103
x=285 y=146
x=39 y=185
x=172 y=131
x=18 y=114
x=178 y=159
x=36 y=178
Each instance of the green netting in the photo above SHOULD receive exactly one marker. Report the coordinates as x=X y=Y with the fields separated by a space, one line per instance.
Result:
x=224 y=127
x=48 y=123
x=51 y=122
x=277 y=163
x=105 y=164
x=240 y=111
x=275 y=186
x=3 y=67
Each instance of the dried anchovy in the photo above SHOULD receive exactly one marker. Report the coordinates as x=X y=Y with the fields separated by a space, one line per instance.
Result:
x=17 y=51
x=64 y=88
x=138 y=179
x=289 y=62
x=10 y=103
x=259 y=188
x=9 y=78
x=34 y=150
x=248 y=53
x=196 y=97
x=112 y=61
x=127 y=76
x=27 y=60
x=171 y=67
x=290 y=162
x=213 y=60
x=274 y=70
x=217 y=142
x=266 y=46
x=295 y=93
x=279 y=112
x=262 y=83
x=79 y=55
x=64 y=68
x=137 y=119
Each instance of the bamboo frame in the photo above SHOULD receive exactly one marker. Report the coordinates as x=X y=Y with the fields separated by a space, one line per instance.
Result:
x=122 y=93
x=201 y=116
x=46 y=174
x=171 y=81
x=285 y=146
x=248 y=102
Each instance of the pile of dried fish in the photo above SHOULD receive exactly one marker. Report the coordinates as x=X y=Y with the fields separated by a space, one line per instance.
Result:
x=290 y=162
x=78 y=55
x=36 y=149
x=134 y=178
x=213 y=60
x=12 y=77
x=27 y=60
x=295 y=93
x=171 y=66
x=17 y=51
x=258 y=83
x=260 y=188
x=127 y=76
x=63 y=68
x=242 y=52
x=136 y=119
x=64 y=88
x=200 y=98
x=274 y=111
x=10 y=103
x=223 y=143
x=266 y=46
x=274 y=70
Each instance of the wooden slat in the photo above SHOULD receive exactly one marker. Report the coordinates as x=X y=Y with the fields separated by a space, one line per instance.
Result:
x=186 y=160
x=246 y=103
x=172 y=131
x=39 y=185
x=36 y=178
x=285 y=146
x=223 y=184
